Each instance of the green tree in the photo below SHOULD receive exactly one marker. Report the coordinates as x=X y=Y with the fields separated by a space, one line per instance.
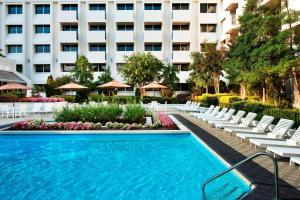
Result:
x=103 y=78
x=37 y=90
x=141 y=68
x=82 y=72
x=169 y=77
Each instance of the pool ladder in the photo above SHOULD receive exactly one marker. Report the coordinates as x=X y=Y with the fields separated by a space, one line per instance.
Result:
x=275 y=168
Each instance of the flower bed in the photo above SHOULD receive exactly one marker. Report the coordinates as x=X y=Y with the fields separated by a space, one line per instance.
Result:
x=166 y=121
x=40 y=99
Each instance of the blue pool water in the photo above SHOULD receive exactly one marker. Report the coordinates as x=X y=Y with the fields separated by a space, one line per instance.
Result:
x=129 y=167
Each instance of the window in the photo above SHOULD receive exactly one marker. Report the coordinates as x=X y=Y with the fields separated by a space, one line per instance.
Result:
x=125 y=47
x=42 y=9
x=97 y=6
x=181 y=47
x=181 y=66
x=14 y=29
x=97 y=47
x=125 y=27
x=127 y=6
x=178 y=27
x=70 y=7
x=70 y=27
x=152 y=27
x=14 y=9
x=211 y=28
x=42 y=29
x=42 y=68
x=152 y=6
x=67 y=67
x=208 y=8
x=97 y=27
x=19 y=68
x=70 y=47
x=98 y=67
x=14 y=48
x=180 y=6
x=42 y=48
x=153 y=47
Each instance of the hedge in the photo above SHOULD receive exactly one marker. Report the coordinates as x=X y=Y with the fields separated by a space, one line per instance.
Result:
x=71 y=99
x=229 y=99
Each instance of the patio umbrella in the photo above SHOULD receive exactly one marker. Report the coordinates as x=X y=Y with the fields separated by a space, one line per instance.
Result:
x=12 y=87
x=113 y=85
x=71 y=87
x=154 y=85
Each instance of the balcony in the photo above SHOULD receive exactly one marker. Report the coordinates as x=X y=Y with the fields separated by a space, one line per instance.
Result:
x=67 y=16
x=124 y=16
x=229 y=24
x=42 y=39
x=42 y=19
x=119 y=55
x=157 y=54
x=181 y=36
x=96 y=56
x=14 y=39
x=42 y=58
x=230 y=5
x=96 y=36
x=152 y=16
x=67 y=57
x=68 y=36
x=208 y=18
x=181 y=15
x=14 y=19
x=181 y=56
x=153 y=36
x=96 y=16
x=18 y=57
x=124 y=36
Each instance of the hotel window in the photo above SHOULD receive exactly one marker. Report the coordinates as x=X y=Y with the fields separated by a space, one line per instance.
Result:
x=125 y=6
x=97 y=27
x=180 y=6
x=210 y=28
x=153 y=47
x=69 y=7
x=14 y=9
x=42 y=29
x=70 y=27
x=70 y=47
x=181 y=27
x=19 y=68
x=42 y=48
x=152 y=27
x=98 y=67
x=181 y=66
x=97 y=6
x=125 y=47
x=42 y=68
x=181 y=47
x=42 y=9
x=14 y=29
x=152 y=6
x=67 y=67
x=125 y=27
x=208 y=8
x=97 y=47
x=14 y=48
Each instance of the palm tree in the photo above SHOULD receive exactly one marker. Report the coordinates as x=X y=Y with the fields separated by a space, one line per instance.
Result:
x=169 y=76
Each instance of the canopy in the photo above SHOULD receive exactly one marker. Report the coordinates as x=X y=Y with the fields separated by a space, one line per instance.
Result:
x=6 y=76
x=71 y=86
x=14 y=86
x=154 y=85
x=113 y=84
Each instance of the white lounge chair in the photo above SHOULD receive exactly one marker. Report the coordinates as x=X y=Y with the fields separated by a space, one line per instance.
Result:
x=219 y=115
x=234 y=121
x=295 y=159
x=278 y=132
x=214 y=112
x=284 y=151
x=183 y=106
x=245 y=122
x=263 y=143
x=207 y=111
x=187 y=107
x=36 y=108
x=193 y=108
x=21 y=110
x=226 y=118
x=48 y=108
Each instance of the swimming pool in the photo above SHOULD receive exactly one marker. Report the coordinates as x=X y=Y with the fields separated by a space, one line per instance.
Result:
x=122 y=166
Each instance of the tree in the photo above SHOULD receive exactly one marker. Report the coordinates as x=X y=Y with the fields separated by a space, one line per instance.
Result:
x=50 y=87
x=37 y=90
x=141 y=68
x=103 y=78
x=169 y=77
x=82 y=72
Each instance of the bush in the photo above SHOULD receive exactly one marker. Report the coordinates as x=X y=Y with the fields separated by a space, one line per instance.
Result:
x=283 y=113
x=113 y=99
x=70 y=99
x=183 y=97
x=229 y=99
x=209 y=99
x=134 y=113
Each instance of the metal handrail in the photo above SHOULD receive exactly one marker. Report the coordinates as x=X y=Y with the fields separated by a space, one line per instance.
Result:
x=275 y=167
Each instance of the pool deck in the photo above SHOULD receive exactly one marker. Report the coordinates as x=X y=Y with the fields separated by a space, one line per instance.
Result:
x=259 y=171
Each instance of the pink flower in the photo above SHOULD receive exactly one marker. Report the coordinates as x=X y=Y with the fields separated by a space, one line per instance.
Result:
x=166 y=121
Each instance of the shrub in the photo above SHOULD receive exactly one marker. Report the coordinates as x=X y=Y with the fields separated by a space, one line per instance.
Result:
x=229 y=99
x=134 y=113
x=113 y=99
x=183 y=97
x=70 y=99
x=209 y=99
x=283 y=113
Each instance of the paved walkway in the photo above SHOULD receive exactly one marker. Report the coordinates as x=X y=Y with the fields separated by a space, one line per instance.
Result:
x=259 y=171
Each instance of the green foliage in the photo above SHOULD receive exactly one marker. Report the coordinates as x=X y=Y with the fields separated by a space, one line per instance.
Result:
x=279 y=113
x=113 y=99
x=82 y=72
x=11 y=96
x=52 y=84
x=229 y=99
x=67 y=98
x=134 y=113
x=37 y=90
x=141 y=68
x=169 y=77
x=105 y=77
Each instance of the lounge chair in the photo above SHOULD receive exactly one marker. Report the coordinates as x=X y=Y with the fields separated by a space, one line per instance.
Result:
x=263 y=143
x=278 y=132
x=226 y=118
x=48 y=108
x=183 y=106
x=187 y=107
x=234 y=121
x=260 y=127
x=245 y=122
x=20 y=109
x=214 y=112
x=219 y=115
x=193 y=108
x=36 y=108
x=208 y=111
x=295 y=159
x=284 y=151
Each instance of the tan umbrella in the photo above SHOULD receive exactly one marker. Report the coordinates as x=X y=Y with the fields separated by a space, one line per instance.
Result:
x=113 y=85
x=71 y=86
x=154 y=85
